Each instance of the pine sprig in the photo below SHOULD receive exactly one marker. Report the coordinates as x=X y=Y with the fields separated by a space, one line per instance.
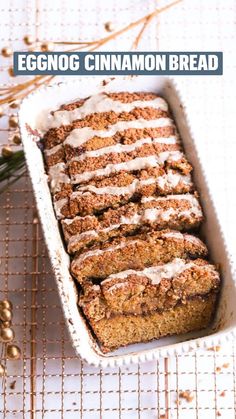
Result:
x=11 y=168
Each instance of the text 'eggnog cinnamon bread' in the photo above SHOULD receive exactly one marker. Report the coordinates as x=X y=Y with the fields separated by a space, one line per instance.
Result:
x=123 y=193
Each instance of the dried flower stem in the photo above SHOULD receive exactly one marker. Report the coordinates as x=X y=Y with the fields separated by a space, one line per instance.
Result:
x=12 y=93
x=12 y=168
x=99 y=42
x=143 y=19
x=140 y=34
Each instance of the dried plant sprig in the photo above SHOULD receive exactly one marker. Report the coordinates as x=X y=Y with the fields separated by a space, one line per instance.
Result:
x=144 y=19
x=12 y=93
x=13 y=167
x=141 y=32
x=22 y=89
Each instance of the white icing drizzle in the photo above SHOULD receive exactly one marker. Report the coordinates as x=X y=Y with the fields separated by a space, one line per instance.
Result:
x=76 y=238
x=58 y=205
x=98 y=252
x=187 y=237
x=138 y=163
x=118 y=148
x=189 y=197
x=170 y=234
x=167 y=214
x=155 y=273
x=194 y=203
x=194 y=240
x=79 y=136
x=115 y=190
x=153 y=214
x=57 y=176
x=125 y=148
x=97 y=104
x=53 y=150
x=77 y=218
x=150 y=215
x=172 y=179
x=130 y=189
x=89 y=233
x=174 y=234
x=134 y=219
x=112 y=227
x=96 y=287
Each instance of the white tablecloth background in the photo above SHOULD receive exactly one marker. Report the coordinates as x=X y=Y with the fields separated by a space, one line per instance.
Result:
x=65 y=388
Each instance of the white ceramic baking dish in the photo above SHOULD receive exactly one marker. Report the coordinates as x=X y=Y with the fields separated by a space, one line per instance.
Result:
x=33 y=109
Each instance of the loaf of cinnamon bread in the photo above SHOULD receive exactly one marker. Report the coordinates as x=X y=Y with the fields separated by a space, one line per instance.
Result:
x=123 y=193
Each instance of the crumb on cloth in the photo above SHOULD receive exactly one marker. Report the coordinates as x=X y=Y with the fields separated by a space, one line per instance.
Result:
x=187 y=395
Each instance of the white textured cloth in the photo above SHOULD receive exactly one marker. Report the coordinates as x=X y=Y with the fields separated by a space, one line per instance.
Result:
x=149 y=390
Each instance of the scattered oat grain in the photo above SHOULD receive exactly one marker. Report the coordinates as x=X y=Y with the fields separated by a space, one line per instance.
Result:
x=187 y=395
x=226 y=365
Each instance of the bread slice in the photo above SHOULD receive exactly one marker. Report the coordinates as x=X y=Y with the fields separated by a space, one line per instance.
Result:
x=135 y=252
x=181 y=212
x=121 y=330
x=138 y=306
